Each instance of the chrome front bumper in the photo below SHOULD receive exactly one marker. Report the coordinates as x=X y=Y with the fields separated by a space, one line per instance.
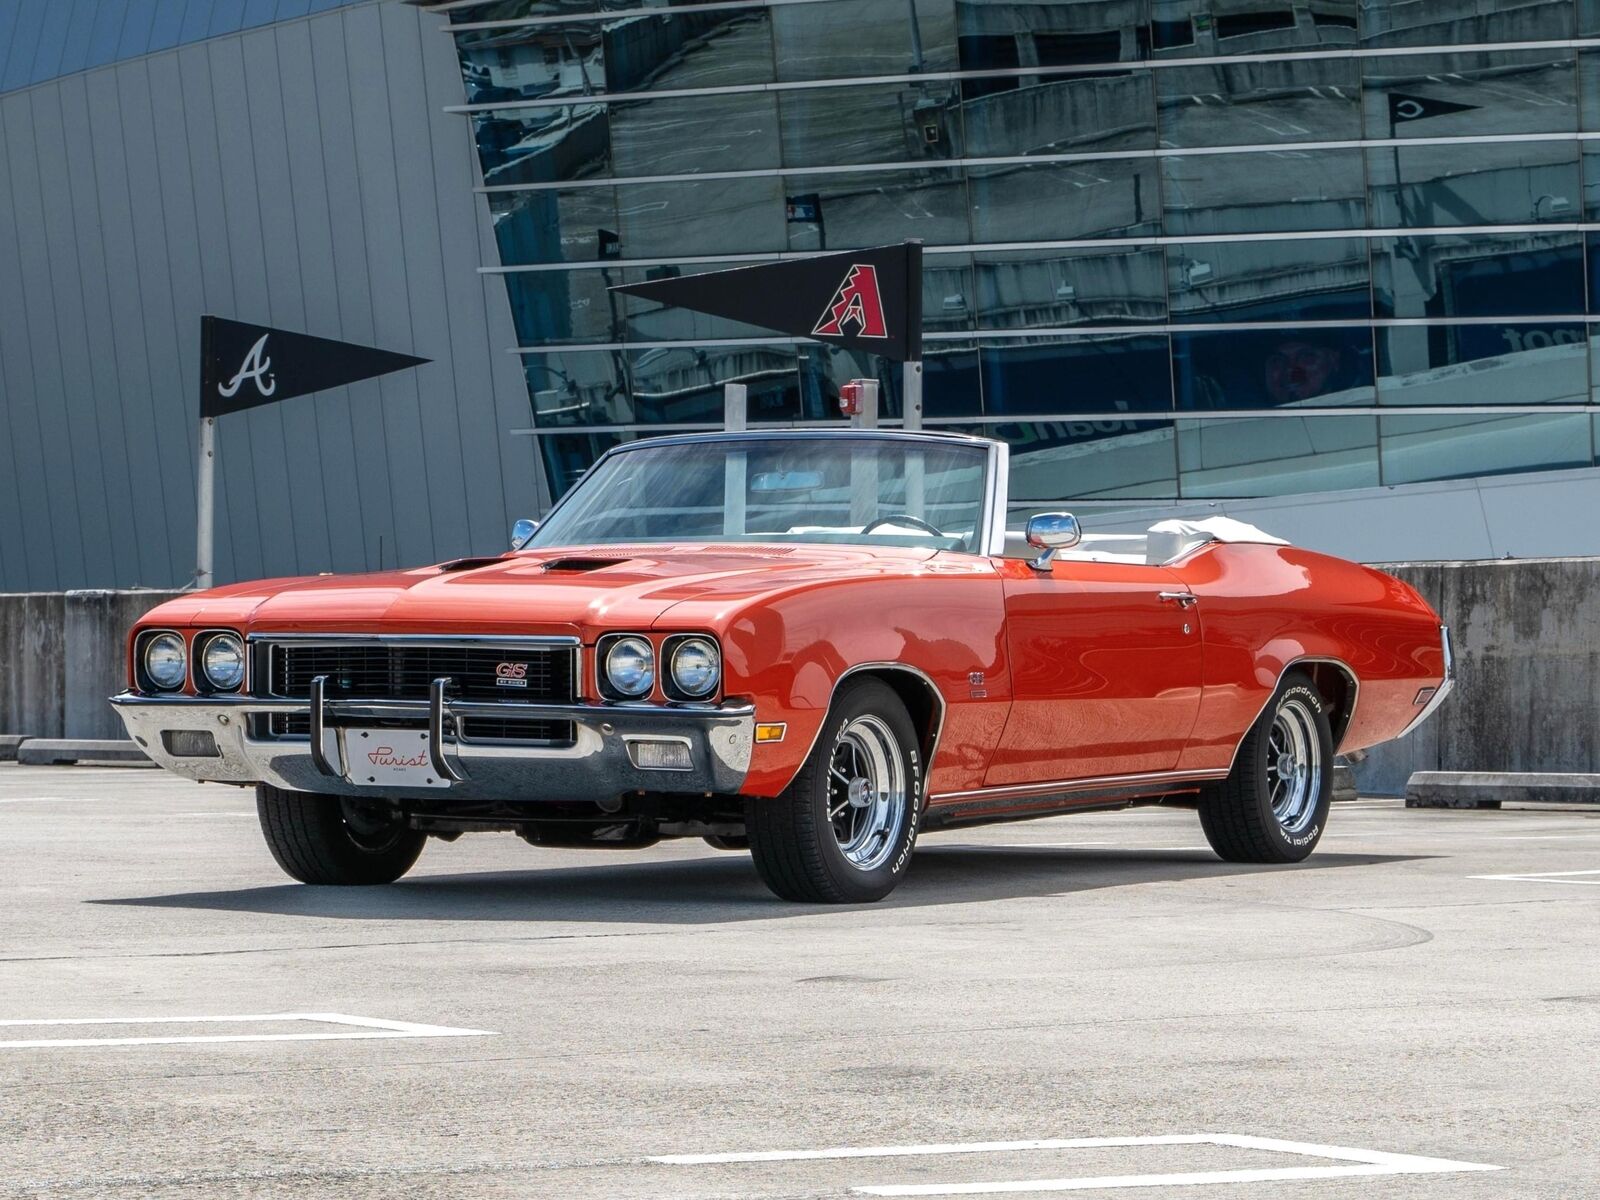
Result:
x=597 y=765
x=1444 y=687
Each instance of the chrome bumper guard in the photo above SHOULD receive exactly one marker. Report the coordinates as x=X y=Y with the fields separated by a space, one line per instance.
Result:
x=1444 y=687
x=596 y=764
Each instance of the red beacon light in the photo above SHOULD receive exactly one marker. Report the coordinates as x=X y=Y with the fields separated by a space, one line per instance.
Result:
x=858 y=397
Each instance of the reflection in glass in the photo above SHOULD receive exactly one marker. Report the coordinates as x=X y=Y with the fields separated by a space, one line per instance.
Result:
x=1108 y=198
x=684 y=383
x=1494 y=183
x=551 y=307
x=567 y=456
x=949 y=294
x=1050 y=289
x=628 y=53
x=864 y=37
x=1202 y=28
x=1452 y=95
x=543 y=145
x=583 y=387
x=1002 y=35
x=1418 y=448
x=1089 y=373
x=1249 y=368
x=894 y=123
x=1276 y=456
x=1053 y=461
x=691 y=134
x=1259 y=103
x=1060 y=114
x=1271 y=191
x=950 y=386
x=876 y=208
x=1478 y=275
x=1517 y=363
x=554 y=226
x=709 y=216
x=1462 y=22
x=1321 y=280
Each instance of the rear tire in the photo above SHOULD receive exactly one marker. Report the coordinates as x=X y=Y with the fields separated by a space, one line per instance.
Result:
x=330 y=840
x=843 y=831
x=1274 y=805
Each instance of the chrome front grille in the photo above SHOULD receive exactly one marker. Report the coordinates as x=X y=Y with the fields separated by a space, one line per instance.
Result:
x=510 y=671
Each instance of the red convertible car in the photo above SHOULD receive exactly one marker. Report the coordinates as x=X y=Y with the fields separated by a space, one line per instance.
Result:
x=811 y=645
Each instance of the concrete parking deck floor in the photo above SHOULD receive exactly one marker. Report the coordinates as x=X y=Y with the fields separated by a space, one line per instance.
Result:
x=534 y=1023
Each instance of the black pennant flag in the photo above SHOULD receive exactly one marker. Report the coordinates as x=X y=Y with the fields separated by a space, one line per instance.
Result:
x=244 y=366
x=1403 y=108
x=862 y=300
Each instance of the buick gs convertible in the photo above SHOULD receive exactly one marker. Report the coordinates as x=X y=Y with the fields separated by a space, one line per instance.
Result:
x=811 y=646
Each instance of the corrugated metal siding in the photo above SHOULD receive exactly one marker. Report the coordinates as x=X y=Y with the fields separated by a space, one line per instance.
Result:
x=304 y=175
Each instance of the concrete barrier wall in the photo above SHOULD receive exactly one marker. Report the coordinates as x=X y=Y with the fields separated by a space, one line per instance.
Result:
x=1527 y=695
x=1527 y=638
x=61 y=656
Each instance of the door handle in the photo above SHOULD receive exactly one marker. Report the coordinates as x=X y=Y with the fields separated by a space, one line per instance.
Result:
x=1181 y=599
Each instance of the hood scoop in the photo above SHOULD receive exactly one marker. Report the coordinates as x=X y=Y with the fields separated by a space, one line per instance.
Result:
x=579 y=565
x=468 y=564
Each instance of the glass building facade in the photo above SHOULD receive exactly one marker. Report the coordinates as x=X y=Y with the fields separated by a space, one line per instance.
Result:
x=1175 y=249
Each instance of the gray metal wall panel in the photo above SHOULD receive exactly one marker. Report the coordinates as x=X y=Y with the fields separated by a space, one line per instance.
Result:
x=302 y=175
x=33 y=262
x=411 y=484
x=131 y=556
x=35 y=530
x=71 y=334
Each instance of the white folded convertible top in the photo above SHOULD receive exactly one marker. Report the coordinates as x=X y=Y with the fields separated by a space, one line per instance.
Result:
x=1217 y=529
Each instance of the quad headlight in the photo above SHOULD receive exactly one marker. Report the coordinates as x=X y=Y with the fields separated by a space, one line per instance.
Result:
x=165 y=661
x=630 y=667
x=222 y=662
x=695 y=667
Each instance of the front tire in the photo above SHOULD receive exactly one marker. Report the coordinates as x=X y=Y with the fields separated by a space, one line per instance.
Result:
x=843 y=831
x=1274 y=805
x=330 y=840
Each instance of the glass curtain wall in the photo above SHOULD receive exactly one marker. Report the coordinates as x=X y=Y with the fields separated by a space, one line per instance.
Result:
x=1175 y=249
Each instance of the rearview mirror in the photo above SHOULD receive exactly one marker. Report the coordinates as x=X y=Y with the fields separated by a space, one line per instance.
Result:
x=786 y=481
x=1051 y=532
x=522 y=533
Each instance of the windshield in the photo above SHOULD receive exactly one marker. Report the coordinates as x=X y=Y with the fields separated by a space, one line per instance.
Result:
x=825 y=489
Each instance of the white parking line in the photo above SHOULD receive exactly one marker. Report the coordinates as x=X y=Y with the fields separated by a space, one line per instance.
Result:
x=1351 y=1163
x=1546 y=877
x=357 y=1029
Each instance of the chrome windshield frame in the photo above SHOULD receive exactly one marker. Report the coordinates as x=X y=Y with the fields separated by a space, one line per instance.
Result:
x=992 y=495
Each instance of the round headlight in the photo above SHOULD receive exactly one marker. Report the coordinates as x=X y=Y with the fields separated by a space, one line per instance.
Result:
x=696 y=667
x=631 y=666
x=222 y=662
x=165 y=662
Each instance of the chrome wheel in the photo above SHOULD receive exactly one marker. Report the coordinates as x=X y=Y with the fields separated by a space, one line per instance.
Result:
x=867 y=793
x=1294 y=766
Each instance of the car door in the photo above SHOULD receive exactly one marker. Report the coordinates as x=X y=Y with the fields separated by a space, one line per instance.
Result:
x=1106 y=671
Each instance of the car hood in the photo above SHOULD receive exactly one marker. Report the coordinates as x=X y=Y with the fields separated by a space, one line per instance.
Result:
x=566 y=591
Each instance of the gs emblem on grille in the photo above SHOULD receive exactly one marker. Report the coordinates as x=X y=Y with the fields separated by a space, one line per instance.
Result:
x=511 y=674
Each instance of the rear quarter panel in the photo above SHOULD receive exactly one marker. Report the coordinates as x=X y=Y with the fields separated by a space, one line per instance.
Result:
x=1263 y=608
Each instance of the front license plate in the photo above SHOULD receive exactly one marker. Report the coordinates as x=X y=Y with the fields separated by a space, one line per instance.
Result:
x=390 y=758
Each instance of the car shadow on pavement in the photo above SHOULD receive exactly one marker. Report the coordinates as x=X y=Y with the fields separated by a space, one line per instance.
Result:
x=725 y=888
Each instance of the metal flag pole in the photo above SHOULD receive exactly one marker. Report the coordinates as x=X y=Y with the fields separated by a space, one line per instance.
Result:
x=205 y=502
x=736 y=415
x=911 y=380
x=205 y=490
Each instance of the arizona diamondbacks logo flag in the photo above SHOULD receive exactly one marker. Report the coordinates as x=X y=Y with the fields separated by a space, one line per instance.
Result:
x=244 y=366
x=862 y=299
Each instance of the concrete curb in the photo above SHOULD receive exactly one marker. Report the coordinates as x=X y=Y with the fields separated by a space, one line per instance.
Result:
x=48 y=752
x=8 y=745
x=1491 y=789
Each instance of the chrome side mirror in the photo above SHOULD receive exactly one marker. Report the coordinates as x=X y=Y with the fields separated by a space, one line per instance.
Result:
x=522 y=533
x=1051 y=532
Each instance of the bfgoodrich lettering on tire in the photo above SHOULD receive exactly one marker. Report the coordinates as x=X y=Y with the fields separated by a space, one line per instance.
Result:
x=844 y=830
x=1274 y=805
